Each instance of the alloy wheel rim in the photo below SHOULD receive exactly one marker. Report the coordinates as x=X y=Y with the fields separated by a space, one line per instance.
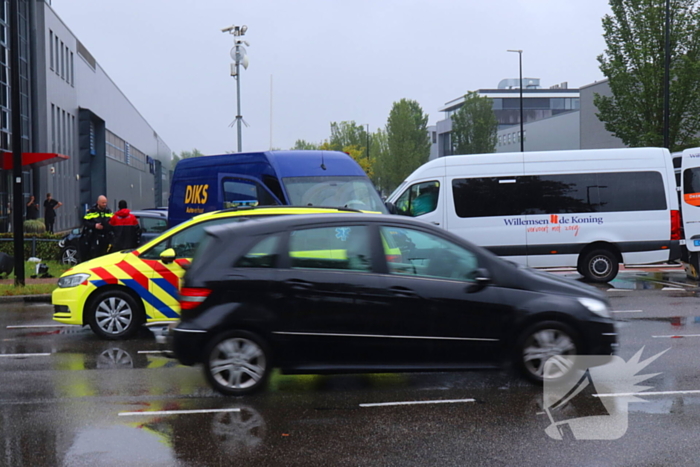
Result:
x=545 y=353
x=70 y=256
x=237 y=363
x=114 y=315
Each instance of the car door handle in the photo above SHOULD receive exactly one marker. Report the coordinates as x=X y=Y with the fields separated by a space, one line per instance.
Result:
x=435 y=223
x=297 y=284
x=403 y=292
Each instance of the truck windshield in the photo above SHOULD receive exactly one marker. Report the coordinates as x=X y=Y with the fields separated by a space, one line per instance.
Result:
x=347 y=192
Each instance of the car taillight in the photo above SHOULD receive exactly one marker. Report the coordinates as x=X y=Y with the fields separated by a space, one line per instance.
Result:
x=675 y=225
x=393 y=258
x=192 y=297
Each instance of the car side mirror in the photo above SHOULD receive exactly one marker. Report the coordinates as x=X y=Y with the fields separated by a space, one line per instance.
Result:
x=168 y=256
x=481 y=278
x=390 y=207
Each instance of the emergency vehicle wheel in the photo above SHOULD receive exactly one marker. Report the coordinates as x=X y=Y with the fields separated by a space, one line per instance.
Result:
x=237 y=363
x=599 y=266
x=115 y=315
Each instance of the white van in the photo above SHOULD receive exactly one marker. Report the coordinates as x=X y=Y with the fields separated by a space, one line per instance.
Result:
x=591 y=209
x=690 y=210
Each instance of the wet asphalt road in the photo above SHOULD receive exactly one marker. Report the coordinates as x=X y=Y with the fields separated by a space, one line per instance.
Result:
x=67 y=398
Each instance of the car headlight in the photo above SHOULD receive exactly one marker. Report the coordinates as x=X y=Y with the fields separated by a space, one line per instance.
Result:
x=598 y=307
x=61 y=243
x=73 y=280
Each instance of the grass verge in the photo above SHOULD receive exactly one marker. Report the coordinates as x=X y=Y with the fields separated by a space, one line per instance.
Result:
x=8 y=288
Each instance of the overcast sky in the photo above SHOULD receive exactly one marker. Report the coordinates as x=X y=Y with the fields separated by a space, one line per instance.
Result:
x=313 y=62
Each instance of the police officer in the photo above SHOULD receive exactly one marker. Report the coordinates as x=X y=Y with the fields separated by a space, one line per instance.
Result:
x=96 y=236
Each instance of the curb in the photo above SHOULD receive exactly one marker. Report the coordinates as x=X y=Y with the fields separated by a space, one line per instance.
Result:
x=46 y=298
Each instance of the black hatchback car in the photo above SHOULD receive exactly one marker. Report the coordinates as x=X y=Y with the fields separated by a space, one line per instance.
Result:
x=372 y=293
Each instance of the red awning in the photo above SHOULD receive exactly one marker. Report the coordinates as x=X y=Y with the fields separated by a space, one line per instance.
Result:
x=32 y=159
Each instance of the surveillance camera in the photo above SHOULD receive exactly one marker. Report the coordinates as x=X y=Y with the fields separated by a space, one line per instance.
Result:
x=228 y=29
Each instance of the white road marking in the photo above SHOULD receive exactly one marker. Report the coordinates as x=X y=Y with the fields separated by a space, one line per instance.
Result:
x=20 y=355
x=627 y=311
x=446 y=401
x=652 y=393
x=152 y=351
x=177 y=412
x=671 y=288
x=620 y=290
x=29 y=326
x=675 y=336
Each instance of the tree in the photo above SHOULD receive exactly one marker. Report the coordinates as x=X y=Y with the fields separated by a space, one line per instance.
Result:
x=348 y=134
x=474 y=126
x=303 y=144
x=633 y=62
x=408 y=144
x=184 y=155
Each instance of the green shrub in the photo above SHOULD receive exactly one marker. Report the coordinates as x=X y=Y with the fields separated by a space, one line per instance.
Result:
x=46 y=250
x=34 y=226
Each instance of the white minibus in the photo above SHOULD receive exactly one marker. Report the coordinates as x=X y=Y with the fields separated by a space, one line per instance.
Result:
x=589 y=209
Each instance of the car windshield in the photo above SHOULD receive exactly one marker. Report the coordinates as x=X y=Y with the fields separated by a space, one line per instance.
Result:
x=348 y=192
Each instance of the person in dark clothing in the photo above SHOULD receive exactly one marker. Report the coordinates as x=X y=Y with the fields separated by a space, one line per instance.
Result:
x=32 y=208
x=50 y=206
x=127 y=233
x=96 y=237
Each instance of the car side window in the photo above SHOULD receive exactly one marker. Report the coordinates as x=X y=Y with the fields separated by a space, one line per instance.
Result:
x=186 y=241
x=240 y=192
x=343 y=248
x=263 y=254
x=416 y=253
x=418 y=199
x=153 y=225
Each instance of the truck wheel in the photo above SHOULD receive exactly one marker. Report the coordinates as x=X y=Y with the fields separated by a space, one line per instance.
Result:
x=599 y=266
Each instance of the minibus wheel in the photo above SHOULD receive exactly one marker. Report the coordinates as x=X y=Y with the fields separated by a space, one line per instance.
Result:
x=599 y=266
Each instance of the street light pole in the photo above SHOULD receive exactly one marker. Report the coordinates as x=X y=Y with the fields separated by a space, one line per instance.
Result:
x=522 y=134
x=238 y=54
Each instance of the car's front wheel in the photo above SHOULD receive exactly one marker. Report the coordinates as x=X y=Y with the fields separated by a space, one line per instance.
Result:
x=237 y=363
x=545 y=351
x=115 y=315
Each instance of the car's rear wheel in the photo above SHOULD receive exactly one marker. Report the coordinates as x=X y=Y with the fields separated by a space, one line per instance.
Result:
x=544 y=341
x=599 y=266
x=115 y=315
x=237 y=363
x=69 y=256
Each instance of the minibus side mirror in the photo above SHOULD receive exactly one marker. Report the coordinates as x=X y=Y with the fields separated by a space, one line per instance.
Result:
x=390 y=207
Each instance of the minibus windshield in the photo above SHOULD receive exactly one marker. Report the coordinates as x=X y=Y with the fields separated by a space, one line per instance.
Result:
x=339 y=191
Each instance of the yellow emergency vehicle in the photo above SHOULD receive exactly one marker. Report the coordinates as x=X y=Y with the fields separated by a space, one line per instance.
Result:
x=117 y=293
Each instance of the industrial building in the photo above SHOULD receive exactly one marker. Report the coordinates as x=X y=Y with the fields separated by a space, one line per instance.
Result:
x=77 y=125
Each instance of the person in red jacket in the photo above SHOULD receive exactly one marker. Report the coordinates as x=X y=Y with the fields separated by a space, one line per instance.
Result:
x=127 y=233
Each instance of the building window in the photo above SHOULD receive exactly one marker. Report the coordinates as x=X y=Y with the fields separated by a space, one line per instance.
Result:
x=116 y=147
x=58 y=72
x=51 y=49
x=72 y=77
x=434 y=137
